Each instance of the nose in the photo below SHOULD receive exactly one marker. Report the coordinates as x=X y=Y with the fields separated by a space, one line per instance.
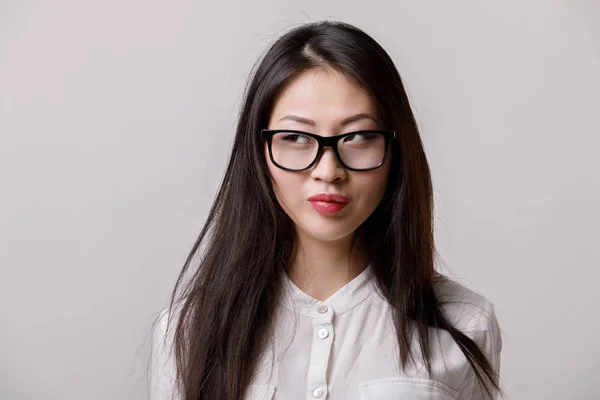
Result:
x=327 y=167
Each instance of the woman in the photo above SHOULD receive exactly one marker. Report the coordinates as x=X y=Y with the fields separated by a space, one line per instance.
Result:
x=316 y=279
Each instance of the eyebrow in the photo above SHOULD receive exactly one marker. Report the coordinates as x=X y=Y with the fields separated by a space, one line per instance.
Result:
x=345 y=121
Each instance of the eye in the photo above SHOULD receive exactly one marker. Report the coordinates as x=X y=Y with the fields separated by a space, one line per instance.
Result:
x=359 y=138
x=295 y=138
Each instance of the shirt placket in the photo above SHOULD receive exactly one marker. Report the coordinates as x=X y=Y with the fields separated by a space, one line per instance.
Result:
x=322 y=339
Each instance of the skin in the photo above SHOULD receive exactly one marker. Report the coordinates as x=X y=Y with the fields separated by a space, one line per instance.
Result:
x=322 y=261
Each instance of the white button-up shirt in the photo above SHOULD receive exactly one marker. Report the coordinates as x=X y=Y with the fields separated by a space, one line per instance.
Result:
x=345 y=348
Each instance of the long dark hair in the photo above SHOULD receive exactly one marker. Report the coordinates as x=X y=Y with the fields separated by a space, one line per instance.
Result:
x=224 y=318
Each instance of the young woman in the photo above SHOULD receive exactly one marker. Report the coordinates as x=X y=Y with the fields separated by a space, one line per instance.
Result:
x=316 y=279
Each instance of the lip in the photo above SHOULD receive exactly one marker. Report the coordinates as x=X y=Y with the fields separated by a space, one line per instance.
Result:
x=328 y=203
x=329 y=197
x=327 y=207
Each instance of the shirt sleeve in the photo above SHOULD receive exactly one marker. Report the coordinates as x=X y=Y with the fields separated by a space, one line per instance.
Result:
x=489 y=339
x=162 y=372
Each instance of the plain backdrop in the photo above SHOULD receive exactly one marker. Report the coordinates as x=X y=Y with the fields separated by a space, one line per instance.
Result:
x=117 y=118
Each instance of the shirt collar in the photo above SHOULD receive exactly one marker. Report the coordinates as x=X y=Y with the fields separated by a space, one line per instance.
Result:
x=346 y=298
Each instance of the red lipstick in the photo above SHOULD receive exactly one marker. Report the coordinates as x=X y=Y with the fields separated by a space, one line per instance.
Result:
x=327 y=203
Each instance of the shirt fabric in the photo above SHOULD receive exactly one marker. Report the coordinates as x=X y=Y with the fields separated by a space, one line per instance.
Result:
x=345 y=348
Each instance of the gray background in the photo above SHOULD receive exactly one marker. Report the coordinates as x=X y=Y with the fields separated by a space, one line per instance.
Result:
x=116 y=119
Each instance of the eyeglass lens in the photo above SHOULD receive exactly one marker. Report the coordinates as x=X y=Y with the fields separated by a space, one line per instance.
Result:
x=358 y=151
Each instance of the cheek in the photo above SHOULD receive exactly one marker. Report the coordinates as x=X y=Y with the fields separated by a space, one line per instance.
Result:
x=275 y=172
x=287 y=187
x=372 y=187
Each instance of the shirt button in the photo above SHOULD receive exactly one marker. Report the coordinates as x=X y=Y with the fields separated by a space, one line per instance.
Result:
x=323 y=333
x=322 y=309
x=318 y=392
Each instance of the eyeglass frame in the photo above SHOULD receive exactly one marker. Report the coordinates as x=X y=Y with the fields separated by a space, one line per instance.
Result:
x=328 y=141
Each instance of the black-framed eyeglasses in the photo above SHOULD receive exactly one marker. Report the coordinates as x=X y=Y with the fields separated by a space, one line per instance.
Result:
x=294 y=150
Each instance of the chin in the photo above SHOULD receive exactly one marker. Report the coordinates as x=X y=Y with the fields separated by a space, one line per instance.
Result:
x=327 y=234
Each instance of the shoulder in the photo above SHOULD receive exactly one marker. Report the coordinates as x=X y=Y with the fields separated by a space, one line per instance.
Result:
x=161 y=326
x=162 y=362
x=470 y=312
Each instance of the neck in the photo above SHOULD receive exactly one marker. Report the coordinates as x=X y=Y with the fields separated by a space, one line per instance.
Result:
x=321 y=268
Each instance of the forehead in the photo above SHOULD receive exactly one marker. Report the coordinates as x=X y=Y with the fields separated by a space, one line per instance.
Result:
x=324 y=96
